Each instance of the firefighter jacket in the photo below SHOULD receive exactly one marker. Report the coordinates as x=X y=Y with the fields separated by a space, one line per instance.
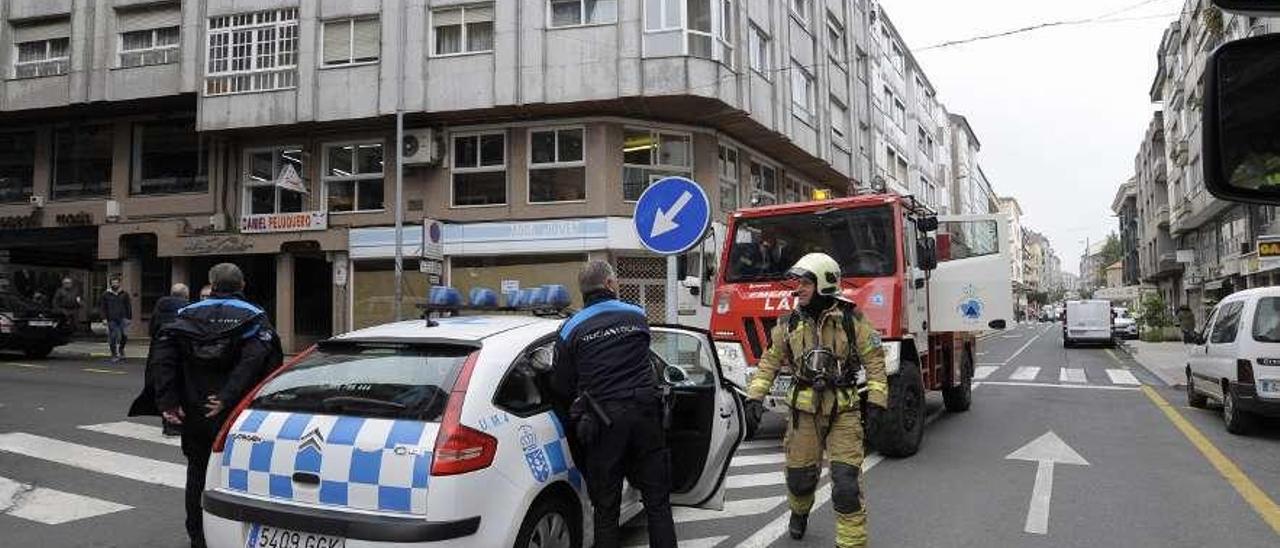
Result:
x=789 y=344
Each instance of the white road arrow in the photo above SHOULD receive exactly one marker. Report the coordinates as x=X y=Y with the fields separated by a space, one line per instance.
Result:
x=664 y=221
x=1044 y=451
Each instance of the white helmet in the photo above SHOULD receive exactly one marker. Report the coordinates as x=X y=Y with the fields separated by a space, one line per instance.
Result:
x=820 y=269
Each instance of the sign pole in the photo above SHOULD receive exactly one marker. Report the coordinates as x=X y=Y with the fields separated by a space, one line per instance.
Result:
x=673 y=289
x=670 y=218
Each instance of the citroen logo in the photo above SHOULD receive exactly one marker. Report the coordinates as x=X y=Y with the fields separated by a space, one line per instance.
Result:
x=312 y=439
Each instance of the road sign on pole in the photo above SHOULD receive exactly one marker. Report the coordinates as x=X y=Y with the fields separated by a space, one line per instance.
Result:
x=671 y=217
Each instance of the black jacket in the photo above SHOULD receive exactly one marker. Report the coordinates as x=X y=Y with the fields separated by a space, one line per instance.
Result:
x=165 y=312
x=174 y=380
x=116 y=306
x=603 y=349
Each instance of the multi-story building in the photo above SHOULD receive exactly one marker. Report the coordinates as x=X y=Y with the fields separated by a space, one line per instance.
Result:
x=1017 y=253
x=1157 y=255
x=967 y=181
x=1125 y=206
x=1035 y=253
x=152 y=139
x=1092 y=275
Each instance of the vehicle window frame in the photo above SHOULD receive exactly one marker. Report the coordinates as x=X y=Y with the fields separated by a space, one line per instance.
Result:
x=1257 y=314
x=1229 y=315
x=524 y=355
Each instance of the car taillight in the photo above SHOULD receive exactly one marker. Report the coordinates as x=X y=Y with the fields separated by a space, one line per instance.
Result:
x=1244 y=372
x=220 y=442
x=460 y=449
x=722 y=303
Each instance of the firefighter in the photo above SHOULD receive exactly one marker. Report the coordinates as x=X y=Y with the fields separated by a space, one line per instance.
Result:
x=814 y=343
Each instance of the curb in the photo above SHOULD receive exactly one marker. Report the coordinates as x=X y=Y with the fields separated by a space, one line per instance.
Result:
x=1131 y=352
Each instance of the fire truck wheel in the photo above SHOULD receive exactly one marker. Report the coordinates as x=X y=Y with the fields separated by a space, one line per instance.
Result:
x=901 y=426
x=958 y=398
x=754 y=412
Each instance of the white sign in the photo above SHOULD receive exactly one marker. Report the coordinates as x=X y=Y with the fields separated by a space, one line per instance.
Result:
x=432 y=240
x=1186 y=255
x=340 y=273
x=510 y=286
x=429 y=266
x=290 y=180
x=1045 y=451
x=284 y=222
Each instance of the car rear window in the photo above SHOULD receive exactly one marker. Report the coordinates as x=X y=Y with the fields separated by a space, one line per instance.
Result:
x=385 y=381
x=1266 y=320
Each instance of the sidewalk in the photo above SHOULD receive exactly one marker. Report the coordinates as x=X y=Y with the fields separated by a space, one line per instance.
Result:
x=89 y=348
x=1166 y=360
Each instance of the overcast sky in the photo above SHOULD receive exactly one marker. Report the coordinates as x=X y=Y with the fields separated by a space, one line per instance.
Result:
x=1060 y=111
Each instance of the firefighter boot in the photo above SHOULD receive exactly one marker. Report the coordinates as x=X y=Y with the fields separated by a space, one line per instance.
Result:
x=799 y=522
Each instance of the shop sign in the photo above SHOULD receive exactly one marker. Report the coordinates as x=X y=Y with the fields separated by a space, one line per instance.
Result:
x=213 y=245
x=1268 y=252
x=510 y=286
x=82 y=218
x=284 y=222
x=19 y=221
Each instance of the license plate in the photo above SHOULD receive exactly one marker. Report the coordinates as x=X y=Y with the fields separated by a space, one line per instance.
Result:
x=781 y=385
x=1270 y=387
x=42 y=323
x=265 y=536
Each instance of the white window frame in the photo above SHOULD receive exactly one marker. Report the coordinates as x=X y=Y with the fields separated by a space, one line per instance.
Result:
x=662 y=17
x=810 y=87
x=899 y=113
x=557 y=164
x=246 y=206
x=760 y=61
x=839 y=136
x=61 y=65
x=656 y=154
x=170 y=52
x=278 y=76
x=725 y=179
x=582 y=16
x=721 y=34
x=454 y=169
x=890 y=161
x=838 y=52
x=463 y=37
x=354 y=179
x=802 y=11
x=759 y=188
x=351 y=41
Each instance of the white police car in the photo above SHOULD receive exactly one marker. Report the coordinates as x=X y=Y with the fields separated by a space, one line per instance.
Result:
x=409 y=434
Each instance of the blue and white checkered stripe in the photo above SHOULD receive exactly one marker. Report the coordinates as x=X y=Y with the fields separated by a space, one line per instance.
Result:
x=363 y=463
x=557 y=453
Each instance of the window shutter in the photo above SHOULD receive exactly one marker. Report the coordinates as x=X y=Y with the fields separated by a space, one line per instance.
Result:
x=480 y=14
x=337 y=41
x=148 y=18
x=446 y=17
x=45 y=30
x=367 y=43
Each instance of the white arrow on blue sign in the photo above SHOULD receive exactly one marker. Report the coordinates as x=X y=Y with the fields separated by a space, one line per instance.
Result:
x=672 y=216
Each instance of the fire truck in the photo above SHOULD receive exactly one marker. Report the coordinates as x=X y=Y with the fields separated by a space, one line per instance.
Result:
x=930 y=284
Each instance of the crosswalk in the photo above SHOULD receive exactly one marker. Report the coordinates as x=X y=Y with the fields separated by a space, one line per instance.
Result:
x=1054 y=375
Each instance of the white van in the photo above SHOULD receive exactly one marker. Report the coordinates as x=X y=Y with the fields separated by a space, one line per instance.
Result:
x=1236 y=358
x=1087 y=322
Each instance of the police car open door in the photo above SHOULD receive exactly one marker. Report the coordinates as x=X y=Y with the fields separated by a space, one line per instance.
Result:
x=706 y=416
x=969 y=290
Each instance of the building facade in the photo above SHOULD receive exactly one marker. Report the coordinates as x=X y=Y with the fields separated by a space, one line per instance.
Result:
x=1125 y=207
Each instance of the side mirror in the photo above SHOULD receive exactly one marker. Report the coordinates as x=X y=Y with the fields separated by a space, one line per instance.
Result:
x=927 y=224
x=926 y=254
x=1242 y=120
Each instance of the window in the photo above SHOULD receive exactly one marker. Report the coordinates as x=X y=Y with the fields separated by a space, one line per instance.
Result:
x=899 y=114
x=758 y=46
x=17 y=165
x=792 y=191
x=524 y=391
x=168 y=157
x=150 y=47
x=82 y=161
x=801 y=88
x=897 y=56
x=706 y=25
x=480 y=169
x=728 y=158
x=836 y=44
x=924 y=141
x=353 y=177
x=839 y=121
x=351 y=41
x=275 y=180
x=42 y=58
x=662 y=14
x=1266 y=320
x=568 y=13
x=764 y=184
x=801 y=9
x=1227 y=323
x=252 y=52
x=969 y=239
x=557 y=172
x=463 y=30
x=648 y=156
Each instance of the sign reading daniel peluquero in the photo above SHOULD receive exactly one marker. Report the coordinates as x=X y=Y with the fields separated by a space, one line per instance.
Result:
x=284 y=222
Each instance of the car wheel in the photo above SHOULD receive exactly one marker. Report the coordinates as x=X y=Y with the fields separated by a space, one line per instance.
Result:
x=754 y=414
x=37 y=352
x=958 y=398
x=901 y=426
x=1237 y=420
x=1194 y=398
x=548 y=525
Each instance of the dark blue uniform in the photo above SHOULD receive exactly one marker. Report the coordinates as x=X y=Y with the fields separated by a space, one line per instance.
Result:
x=602 y=355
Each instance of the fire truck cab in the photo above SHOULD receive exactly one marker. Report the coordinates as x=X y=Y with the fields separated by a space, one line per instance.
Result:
x=928 y=283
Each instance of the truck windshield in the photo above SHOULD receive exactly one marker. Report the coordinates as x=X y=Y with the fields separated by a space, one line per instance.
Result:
x=861 y=240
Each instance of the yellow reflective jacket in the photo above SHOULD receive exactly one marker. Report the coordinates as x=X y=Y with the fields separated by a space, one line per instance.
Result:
x=788 y=345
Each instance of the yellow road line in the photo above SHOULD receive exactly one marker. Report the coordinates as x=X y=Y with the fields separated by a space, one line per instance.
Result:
x=107 y=371
x=1261 y=503
x=26 y=365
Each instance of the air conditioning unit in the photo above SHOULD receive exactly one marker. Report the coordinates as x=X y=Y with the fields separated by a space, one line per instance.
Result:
x=37 y=201
x=420 y=147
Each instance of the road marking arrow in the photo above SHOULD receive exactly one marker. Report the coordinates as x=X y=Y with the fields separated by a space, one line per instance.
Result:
x=1044 y=451
x=664 y=221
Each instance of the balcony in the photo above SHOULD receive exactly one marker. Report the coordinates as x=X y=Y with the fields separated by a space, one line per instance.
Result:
x=1162 y=216
x=1166 y=266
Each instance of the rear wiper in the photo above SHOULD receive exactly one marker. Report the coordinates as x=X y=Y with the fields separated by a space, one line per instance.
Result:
x=341 y=401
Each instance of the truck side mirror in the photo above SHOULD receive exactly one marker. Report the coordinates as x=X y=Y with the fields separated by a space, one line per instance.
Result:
x=927 y=224
x=926 y=254
x=1242 y=120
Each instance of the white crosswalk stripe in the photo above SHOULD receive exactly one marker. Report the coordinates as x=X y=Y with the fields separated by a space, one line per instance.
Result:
x=754 y=480
x=127 y=429
x=1072 y=375
x=94 y=459
x=1026 y=373
x=50 y=506
x=732 y=509
x=1122 y=376
x=984 y=371
x=766 y=458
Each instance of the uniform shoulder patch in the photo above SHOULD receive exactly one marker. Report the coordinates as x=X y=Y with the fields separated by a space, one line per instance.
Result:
x=875 y=339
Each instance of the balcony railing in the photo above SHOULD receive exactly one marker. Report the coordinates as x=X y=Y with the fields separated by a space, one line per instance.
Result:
x=1162 y=216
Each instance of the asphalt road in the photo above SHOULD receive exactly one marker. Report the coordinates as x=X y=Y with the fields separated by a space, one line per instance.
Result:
x=1145 y=483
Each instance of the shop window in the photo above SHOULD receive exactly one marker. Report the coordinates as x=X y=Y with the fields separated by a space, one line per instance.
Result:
x=168 y=157
x=150 y=47
x=275 y=180
x=463 y=30
x=353 y=177
x=648 y=156
x=764 y=184
x=17 y=165
x=557 y=171
x=523 y=270
x=728 y=158
x=82 y=162
x=252 y=52
x=479 y=169
x=568 y=13
x=352 y=41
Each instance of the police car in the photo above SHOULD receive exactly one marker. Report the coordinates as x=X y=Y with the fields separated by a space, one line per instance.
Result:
x=440 y=432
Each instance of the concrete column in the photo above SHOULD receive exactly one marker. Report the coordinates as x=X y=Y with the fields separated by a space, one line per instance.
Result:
x=284 y=300
x=131 y=283
x=180 y=272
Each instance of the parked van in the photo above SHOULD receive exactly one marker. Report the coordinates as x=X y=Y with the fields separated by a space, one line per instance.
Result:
x=1236 y=358
x=1087 y=322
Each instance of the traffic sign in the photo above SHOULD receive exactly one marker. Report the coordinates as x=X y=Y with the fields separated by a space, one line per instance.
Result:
x=672 y=216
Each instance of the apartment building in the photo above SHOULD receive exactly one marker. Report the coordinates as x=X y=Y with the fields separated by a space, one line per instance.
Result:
x=1157 y=255
x=152 y=139
x=1125 y=207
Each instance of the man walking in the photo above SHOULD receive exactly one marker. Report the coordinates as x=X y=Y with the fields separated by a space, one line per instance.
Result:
x=204 y=362
x=1187 y=321
x=117 y=310
x=67 y=302
x=602 y=366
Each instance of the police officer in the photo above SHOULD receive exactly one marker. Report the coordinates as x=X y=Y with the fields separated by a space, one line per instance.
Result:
x=824 y=342
x=602 y=365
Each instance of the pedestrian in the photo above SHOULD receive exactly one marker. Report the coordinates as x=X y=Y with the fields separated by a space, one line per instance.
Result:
x=616 y=416
x=117 y=309
x=66 y=301
x=204 y=362
x=824 y=342
x=206 y=291
x=1187 y=321
x=164 y=313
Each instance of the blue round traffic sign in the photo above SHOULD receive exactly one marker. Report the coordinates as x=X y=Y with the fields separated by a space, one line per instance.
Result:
x=672 y=216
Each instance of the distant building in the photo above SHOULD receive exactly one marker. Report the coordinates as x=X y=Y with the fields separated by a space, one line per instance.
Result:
x=1125 y=206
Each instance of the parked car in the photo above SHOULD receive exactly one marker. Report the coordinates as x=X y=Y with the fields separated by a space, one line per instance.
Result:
x=31 y=328
x=1087 y=322
x=1124 y=326
x=1235 y=359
